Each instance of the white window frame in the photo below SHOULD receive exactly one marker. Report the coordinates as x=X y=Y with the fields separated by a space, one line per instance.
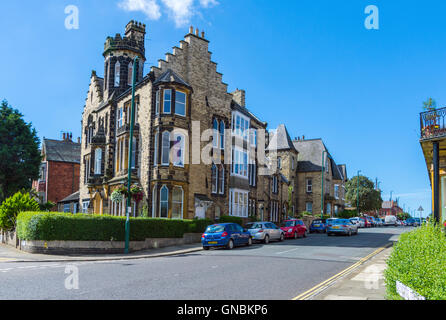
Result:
x=309 y=185
x=242 y=128
x=182 y=149
x=155 y=146
x=307 y=207
x=221 y=180
x=85 y=205
x=238 y=161
x=174 y=202
x=164 y=187
x=164 y=101
x=165 y=150
x=336 y=191
x=154 y=201
x=214 y=178
x=216 y=132
x=238 y=209
x=177 y=102
x=157 y=102
x=117 y=81
x=222 y=134
x=98 y=161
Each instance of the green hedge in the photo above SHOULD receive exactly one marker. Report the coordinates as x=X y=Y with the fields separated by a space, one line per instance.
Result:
x=419 y=262
x=228 y=219
x=50 y=226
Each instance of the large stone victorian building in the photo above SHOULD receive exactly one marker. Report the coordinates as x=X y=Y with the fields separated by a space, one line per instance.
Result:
x=194 y=149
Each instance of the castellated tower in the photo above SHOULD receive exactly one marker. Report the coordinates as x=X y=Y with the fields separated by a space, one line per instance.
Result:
x=119 y=54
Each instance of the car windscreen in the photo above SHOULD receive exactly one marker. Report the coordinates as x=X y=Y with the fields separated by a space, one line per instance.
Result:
x=289 y=223
x=215 y=229
x=339 y=221
x=254 y=226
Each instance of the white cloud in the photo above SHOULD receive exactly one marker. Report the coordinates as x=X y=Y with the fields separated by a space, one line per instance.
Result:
x=208 y=3
x=149 y=7
x=180 y=11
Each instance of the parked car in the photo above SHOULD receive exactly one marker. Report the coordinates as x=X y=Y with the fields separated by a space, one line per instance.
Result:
x=391 y=221
x=318 y=225
x=228 y=235
x=356 y=221
x=342 y=226
x=410 y=222
x=367 y=223
x=370 y=220
x=380 y=222
x=294 y=228
x=265 y=231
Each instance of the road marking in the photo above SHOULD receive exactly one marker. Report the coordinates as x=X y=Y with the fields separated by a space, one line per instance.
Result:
x=322 y=286
x=288 y=251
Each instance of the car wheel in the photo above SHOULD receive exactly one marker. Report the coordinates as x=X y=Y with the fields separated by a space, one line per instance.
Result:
x=282 y=237
x=349 y=233
x=328 y=234
x=296 y=235
x=305 y=234
x=249 y=242
x=230 y=245
x=266 y=239
x=206 y=248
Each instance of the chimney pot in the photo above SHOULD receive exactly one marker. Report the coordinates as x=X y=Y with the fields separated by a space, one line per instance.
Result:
x=202 y=34
x=197 y=32
x=191 y=29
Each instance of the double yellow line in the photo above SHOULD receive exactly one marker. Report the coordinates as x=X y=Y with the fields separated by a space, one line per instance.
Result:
x=322 y=286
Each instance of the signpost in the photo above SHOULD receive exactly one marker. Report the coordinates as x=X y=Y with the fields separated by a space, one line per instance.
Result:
x=420 y=209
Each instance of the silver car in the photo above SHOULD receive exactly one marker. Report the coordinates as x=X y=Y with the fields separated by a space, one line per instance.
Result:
x=265 y=231
x=357 y=221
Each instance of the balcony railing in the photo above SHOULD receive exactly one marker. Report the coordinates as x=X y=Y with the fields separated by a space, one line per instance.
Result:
x=126 y=129
x=433 y=124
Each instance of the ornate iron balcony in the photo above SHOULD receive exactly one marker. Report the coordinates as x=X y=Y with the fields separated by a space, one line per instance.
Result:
x=126 y=129
x=433 y=124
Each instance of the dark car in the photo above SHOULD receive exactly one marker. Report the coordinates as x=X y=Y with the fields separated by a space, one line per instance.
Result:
x=318 y=225
x=228 y=235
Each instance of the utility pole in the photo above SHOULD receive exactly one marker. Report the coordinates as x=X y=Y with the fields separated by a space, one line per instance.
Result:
x=357 y=195
x=129 y=180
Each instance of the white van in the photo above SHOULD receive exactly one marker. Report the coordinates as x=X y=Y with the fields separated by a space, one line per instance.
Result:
x=390 y=221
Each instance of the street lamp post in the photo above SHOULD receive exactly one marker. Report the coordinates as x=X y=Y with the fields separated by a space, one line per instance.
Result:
x=357 y=195
x=129 y=180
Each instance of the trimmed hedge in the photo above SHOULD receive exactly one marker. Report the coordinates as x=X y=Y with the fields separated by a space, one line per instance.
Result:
x=229 y=219
x=419 y=262
x=50 y=226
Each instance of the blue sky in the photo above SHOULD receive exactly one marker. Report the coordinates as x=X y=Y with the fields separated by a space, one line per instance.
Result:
x=310 y=64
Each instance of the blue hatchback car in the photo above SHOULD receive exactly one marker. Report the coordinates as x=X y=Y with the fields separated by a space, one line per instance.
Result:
x=318 y=225
x=227 y=235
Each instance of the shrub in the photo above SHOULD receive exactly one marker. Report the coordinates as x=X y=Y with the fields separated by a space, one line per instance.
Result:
x=418 y=261
x=229 y=219
x=50 y=226
x=12 y=206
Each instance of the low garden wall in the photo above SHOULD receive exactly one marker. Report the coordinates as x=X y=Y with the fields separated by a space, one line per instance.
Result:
x=65 y=233
x=9 y=238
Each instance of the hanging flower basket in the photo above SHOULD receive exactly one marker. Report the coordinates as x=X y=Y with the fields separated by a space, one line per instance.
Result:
x=137 y=193
x=117 y=196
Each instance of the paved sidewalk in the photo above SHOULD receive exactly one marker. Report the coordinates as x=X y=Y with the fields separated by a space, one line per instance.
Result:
x=10 y=254
x=364 y=283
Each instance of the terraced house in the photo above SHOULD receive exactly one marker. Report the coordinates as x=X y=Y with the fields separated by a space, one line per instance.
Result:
x=183 y=113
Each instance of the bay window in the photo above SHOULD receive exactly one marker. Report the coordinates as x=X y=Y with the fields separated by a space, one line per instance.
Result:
x=177 y=203
x=180 y=103
x=164 y=202
x=167 y=101
x=238 y=205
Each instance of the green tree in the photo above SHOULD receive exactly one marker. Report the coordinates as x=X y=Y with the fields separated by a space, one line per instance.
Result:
x=404 y=216
x=430 y=105
x=11 y=207
x=19 y=152
x=369 y=198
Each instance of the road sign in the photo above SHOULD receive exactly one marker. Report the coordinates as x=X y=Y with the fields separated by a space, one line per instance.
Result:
x=420 y=208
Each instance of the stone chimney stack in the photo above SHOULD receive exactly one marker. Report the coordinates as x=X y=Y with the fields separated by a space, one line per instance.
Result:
x=239 y=96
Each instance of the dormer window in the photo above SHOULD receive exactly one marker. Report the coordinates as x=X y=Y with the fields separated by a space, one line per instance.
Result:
x=117 y=74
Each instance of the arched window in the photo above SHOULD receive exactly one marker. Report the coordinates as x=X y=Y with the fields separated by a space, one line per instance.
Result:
x=165 y=148
x=222 y=135
x=214 y=179
x=215 y=139
x=164 y=202
x=130 y=74
x=177 y=203
x=117 y=74
x=155 y=156
x=98 y=161
x=221 y=179
x=179 y=150
x=154 y=201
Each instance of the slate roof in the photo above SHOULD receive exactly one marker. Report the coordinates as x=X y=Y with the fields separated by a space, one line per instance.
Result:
x=246 y=112
x=310 y=154
x=171 y=77
x=61 y=151
x=280 y=140
x=71 y=198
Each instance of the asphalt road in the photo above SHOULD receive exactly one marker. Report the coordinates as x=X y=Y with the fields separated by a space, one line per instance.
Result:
x=278 y=271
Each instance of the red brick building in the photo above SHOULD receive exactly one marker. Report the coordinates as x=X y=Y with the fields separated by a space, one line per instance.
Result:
x=390 y=208
x=59 y=171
